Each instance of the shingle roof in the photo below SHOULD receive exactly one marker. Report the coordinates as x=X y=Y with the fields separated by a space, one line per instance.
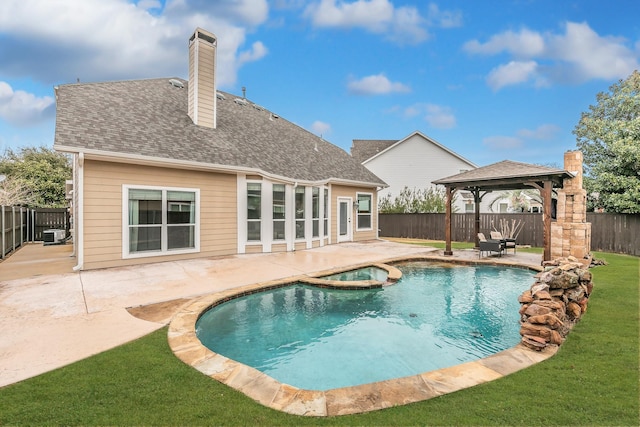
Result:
x=506 y=174
x=149 y=118
x=364 y=149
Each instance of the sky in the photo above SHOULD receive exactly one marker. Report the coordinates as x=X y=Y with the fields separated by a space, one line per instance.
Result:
x=490 y=80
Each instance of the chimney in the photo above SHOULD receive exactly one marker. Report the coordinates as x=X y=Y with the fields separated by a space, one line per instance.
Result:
x=202 y=81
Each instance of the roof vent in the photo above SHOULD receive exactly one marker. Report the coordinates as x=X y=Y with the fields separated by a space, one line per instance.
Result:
x=274 y=116
x=258 y=107
x=176 y=83
x=220 y=96
x=241 y=101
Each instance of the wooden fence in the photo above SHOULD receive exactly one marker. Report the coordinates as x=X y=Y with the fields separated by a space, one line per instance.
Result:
x=617 y=233
x=20 y=225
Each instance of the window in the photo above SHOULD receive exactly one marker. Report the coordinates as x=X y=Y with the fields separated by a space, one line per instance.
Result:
x=469 y=207
x=300 y=214
x=181 y=219
x=315 y=211
x=364 y=211
x=254 y=210
x=326 y=212
x=160 y=220
x=278 y=211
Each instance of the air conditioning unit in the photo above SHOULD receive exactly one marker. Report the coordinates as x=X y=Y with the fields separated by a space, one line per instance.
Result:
x=53 y=236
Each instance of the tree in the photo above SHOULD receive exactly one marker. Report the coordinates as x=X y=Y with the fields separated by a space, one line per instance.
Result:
x=40 y=173
x=430 y=200
x=609 y=137
x=13 y=193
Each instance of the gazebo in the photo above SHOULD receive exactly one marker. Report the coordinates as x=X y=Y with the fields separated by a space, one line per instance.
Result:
x=507 y=175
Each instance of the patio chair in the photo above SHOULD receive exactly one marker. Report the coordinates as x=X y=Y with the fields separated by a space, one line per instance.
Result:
x=508 y=243
x=489 y=245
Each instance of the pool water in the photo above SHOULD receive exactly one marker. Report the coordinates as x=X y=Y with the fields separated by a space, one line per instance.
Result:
x=319 y=339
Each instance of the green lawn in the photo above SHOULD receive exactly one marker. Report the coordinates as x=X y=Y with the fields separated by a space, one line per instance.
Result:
x=593 y=380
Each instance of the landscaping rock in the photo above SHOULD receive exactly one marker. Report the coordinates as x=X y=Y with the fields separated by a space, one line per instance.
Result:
x=536 y=310
x=554 y=303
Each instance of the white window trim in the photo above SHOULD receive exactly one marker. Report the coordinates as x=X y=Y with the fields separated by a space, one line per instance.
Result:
x=163 y=252
x=284 y=221
x=370 y=214
x=247 y=220
x=305 y=220
x=329 y=237
x=350 y=227
x=319 y=217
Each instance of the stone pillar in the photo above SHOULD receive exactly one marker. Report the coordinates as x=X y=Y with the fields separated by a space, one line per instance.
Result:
x=571 y=233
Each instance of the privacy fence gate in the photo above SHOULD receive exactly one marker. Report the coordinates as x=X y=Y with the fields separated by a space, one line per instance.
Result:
x=618 y=233
x=21 y=225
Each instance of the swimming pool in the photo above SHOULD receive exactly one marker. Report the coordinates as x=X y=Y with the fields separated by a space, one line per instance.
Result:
x=438 y=315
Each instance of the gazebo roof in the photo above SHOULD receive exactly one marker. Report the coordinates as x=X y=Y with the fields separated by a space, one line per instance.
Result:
x=505 y=175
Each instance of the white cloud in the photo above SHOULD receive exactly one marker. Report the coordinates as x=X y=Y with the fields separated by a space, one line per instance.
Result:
x=320 y=128
x=241 y=12
x=413 y=110
x=502 y=142
x=258 y=51
x=542 y=132
x=20 y=108
x=444 y=18
x=137 y=43
x=400 y=24
x=525 y=43
x=512 y=73
x=589 y=56
x=440 y=117
x=149 y=4
x=577 y=55
x=377 y=84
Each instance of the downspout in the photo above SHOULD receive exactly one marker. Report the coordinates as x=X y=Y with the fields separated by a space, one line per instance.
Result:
x=78 y=221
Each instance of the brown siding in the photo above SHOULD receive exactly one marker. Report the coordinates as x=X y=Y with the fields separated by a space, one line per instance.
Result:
x=253 y=249
x=103 y=183
x=279 y=247
x=343 y=191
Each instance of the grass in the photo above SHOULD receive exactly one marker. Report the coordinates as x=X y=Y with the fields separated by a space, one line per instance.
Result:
x=593 y=380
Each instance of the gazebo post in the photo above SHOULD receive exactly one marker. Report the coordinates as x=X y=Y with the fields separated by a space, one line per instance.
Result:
x=476 y=200
x=447 y=222
x=546 y=218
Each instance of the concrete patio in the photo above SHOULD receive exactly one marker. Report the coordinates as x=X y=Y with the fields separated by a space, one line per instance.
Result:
x=53 y=316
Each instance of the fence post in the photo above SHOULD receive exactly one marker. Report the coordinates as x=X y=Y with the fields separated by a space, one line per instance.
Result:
x=33 y=225
x=21 y=240
x=13 y=226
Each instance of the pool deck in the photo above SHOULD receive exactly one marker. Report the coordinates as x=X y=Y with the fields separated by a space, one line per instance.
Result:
x=53 y=316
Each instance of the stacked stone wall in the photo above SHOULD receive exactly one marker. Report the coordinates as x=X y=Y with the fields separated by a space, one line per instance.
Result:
x=554 y=303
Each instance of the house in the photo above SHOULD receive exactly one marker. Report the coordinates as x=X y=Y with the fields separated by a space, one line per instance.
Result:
x=414 y=162
x=168 y=169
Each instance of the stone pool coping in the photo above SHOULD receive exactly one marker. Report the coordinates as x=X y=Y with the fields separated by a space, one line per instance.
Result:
x=347 y=400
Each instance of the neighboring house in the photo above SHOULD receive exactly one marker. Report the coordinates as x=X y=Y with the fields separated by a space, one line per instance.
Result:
x=412 y=162
x=513 y=201
x=168 y=169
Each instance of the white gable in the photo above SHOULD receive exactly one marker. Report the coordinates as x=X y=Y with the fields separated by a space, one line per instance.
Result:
x=415 y=162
